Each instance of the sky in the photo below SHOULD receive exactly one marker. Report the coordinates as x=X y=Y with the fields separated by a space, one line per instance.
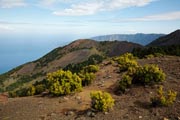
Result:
x=88 y=17
x=31 y=28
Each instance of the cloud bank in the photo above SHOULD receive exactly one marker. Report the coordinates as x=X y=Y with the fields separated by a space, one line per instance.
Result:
x=12 y=3
x=95 y=6
x=169 y=16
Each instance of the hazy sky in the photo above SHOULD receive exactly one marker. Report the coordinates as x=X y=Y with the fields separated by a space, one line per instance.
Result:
x=88 y=17
x=31 y=28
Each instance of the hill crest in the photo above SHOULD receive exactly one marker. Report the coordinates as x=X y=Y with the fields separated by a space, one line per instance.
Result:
x=170 y=39
x=139 y=38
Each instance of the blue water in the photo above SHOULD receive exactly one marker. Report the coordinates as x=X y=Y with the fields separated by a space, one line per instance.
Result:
x=15 y=50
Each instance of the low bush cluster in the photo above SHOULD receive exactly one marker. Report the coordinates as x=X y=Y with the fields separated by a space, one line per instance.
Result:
x=163 y=98
x=90 y=69
x=101 y=101
x=60 y=82
x=92 y=60
x=87 y=78
x=135 y=74
x=143 y=75
x=126 y=61
x=157 y=51
x=19 y=93
x=31 y=91
x=149 y=56
x=87 y=74
x=63 y=82
x=39 y=88
x=28 y=91
x=154 y=55
x=148 y=74
x=125 y=82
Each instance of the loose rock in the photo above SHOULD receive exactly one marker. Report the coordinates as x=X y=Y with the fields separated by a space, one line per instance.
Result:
x=178 y=118
x=53 y=114
x=66 y=98
x=78 y=97
x=106 y=113
x=165 y=118
x=70 y=113
x=90 y=114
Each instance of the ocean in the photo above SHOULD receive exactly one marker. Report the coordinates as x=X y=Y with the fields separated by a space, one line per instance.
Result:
x=15 y=50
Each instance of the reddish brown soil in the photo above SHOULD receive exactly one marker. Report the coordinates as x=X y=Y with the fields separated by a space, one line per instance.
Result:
x=133 y=105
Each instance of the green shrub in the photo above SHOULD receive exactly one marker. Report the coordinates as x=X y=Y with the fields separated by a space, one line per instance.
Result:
x=22 y=92
x=31 y=91
x=12 y=94
x=154 y=55
x=40 y=88
x=149 y=56
x=111 y=62
x=125 y=61
x=158 y=54
x=90 y=69
x=101 y=101
x=148 y=74
x=22 y=80
x=131 y=71
x=63 y=82
x=163 y=50
x=87 y=78
x=164 y=98
x=92 y=60
x=87 y=74
x=125 y=82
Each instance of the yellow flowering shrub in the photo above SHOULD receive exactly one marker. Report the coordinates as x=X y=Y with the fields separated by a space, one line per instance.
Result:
x=126 y=61
x=164 y=98
x=101 y=101
x=63 y=82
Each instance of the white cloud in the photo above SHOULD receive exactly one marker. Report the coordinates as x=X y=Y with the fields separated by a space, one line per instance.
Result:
x=48 y=3
x=12 y=3
x=95 y=6
x=159 y=17
x=80 y=9
x=6 y=28
x=120 y=4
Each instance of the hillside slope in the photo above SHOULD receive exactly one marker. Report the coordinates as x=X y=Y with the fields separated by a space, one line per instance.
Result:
x=76 y=52
x=133 y=105
x=170 y=39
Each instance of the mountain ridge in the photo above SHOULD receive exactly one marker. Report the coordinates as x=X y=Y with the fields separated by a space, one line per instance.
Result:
x=170 y=39
x=139 y=38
